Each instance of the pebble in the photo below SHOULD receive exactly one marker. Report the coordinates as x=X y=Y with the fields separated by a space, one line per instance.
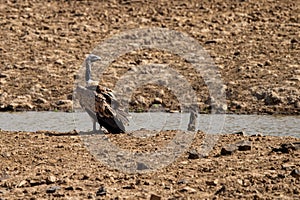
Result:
x=22 y=183
x=51 y=179
x=212 y=183
x=244 y=145
x=155 y=197
x=193 y=154
x=188 y=189
x=221 y=190
x=229 y=149
x=288 y=147
x=182 y=181
x=52 y=189
x=69 y=188
x=64 y=102
x=41 y=100
x=296 y=173
x=142 y=166
x=101 y=191
x=242 y=133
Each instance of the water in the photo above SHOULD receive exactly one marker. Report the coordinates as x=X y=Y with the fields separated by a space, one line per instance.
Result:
x=80 y=121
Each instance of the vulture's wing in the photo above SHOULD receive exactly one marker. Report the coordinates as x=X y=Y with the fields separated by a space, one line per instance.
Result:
x=104 y=108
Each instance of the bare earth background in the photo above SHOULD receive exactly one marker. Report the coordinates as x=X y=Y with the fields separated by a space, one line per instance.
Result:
x=255 y=45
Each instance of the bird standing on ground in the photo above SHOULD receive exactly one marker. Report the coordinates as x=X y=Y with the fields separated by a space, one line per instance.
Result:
x=100 y=103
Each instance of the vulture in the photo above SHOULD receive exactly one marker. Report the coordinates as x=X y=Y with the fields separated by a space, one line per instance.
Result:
x=100 y=103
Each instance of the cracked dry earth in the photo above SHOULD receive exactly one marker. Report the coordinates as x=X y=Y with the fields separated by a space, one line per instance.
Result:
x=254 y=44
x=51 y=165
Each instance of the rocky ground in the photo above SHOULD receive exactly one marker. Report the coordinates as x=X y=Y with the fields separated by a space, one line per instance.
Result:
x=254 y=44
x=49 y=165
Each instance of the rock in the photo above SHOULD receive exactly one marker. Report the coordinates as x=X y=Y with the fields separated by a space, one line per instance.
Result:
x=64 y=102
x=221 y=190
x=210 y=42
x=51 y=179
x=188 y=189
x=155 y=197
x=242 y=133
x=212 y=183
x=41 y=100
x=192 y=122
x=182 y=181
x=272 y=98
x=69 y=188
x=244 y=145
x=157 y=100
x=228 y=149
x=296 y=173
x=297 y=104
x=287 y=148
x=22 y=183
x=52 y=189
x=59 y=62
x=193 y=154
x=2 y=75
x=287 y=166
x=142 y=166
x=131 y=186
x=37 y=181
x=101 y=191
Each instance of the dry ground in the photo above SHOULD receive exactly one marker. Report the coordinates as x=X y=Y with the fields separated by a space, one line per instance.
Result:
x=33 y=163
x=255 y=45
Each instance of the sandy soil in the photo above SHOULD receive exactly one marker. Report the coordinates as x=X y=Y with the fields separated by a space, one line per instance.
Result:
x=254 y=44
x=47 y=165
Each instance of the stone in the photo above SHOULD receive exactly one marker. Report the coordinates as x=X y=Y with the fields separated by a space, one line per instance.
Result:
x=193 y=154
x=212 y=183
x=41 y=100
x=22 y=183
x=2 y=75
x=64 y=102
x=155 y=197
x=69 y=188
x=244 y=145
x=288 y=147
x=142 y=166
x=52 y=189
x=242 y=133
x=192 y=122
x=221 y=190
x=157 y=100
x=188 y=189
x=51 y=179
x=228 y=149
x=182 y=181
x=272 y=98
x=296 y=173
x=101 y=191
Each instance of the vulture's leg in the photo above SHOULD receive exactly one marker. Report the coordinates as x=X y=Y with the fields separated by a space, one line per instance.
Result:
x=94 y=126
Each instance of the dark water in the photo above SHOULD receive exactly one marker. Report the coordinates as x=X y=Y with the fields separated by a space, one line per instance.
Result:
x=64 y=122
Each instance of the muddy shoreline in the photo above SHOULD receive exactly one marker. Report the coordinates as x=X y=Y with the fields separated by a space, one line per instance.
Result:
x=47 y=165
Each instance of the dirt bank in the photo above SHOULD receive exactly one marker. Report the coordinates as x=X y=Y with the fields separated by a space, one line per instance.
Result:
x=255 y=45
x=47 y=165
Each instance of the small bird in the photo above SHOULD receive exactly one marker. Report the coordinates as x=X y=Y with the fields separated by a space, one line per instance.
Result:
x=100 y=103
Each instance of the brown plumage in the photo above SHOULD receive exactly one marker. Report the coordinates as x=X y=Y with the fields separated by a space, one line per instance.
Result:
x=103 y=108
x=100 y=103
